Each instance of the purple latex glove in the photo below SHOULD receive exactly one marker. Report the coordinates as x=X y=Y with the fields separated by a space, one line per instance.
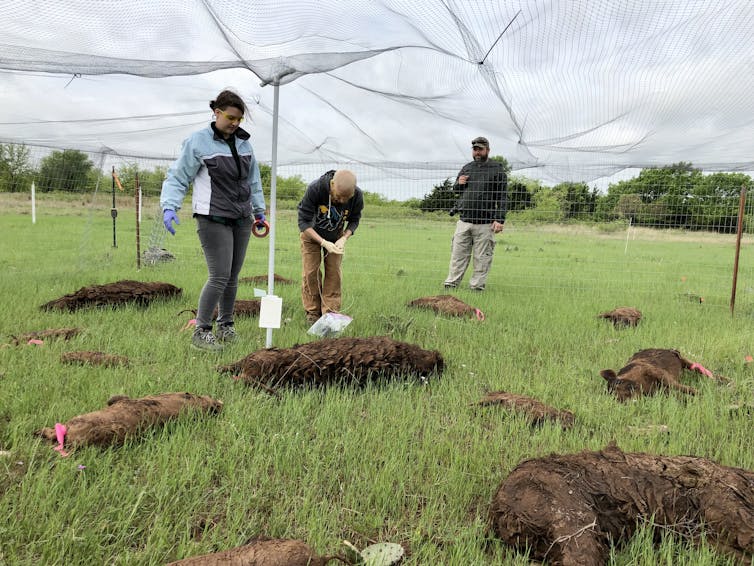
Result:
x=168 y=217
x=259 y=218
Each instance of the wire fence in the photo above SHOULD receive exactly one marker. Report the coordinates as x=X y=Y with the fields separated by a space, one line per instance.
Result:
x=679 y=231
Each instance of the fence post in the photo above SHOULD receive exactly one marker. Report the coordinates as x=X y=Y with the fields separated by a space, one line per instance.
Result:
x=739 y=231
x=33 y=203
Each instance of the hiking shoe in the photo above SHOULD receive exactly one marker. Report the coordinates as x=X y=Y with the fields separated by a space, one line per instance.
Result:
x=203 y=339
x=311 y=318
x=226 y=333
x=449 y=285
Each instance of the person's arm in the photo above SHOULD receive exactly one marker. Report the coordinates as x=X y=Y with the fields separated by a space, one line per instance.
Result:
x=180 y=175
x=355 y=216
x=255 y=184
x=307 y=208
x=461 y=181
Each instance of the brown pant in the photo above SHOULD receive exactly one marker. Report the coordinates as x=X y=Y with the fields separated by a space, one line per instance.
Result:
x=319 y=295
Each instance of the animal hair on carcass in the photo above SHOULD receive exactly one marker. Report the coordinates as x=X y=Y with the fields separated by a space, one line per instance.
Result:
x=444 y=304
x=94 y=359
x=622 y=316
x=536 y=411
x=125 y=417
x=568 y=509
x=114 y=294
x=647 y=372
x=344 y=360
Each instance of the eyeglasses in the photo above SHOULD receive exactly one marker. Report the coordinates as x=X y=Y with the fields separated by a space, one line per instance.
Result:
x=230 y=118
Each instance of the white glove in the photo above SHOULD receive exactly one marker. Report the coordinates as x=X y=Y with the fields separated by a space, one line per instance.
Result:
x=341 y=244
x=331 y=247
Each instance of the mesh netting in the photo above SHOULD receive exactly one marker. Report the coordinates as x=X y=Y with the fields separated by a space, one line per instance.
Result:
x=573 y=90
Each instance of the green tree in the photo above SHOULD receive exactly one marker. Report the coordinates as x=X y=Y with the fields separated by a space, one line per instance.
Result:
x=15 y=169
x=286 y=188
x=441 y=197
x=67 y=170
x=520 y=191
x=576 y=200
x=715 y=200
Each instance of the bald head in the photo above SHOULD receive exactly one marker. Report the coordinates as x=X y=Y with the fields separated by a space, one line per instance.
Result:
x=343 y=185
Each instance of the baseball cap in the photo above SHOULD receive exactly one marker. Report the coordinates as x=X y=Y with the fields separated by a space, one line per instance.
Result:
x=480 y=142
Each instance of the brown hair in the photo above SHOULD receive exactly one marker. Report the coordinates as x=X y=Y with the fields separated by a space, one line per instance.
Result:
x=228 y=98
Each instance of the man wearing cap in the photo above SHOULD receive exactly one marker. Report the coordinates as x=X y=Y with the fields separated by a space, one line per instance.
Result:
x=481 y=187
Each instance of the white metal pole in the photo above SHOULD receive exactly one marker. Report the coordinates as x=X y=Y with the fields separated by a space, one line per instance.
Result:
x=628 y=233
x=273 y=204
x=33 y=204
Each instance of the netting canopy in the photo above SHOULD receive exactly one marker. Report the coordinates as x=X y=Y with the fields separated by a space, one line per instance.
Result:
x=564 y=89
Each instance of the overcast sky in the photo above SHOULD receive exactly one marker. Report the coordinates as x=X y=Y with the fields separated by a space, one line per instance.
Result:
x=566 y=90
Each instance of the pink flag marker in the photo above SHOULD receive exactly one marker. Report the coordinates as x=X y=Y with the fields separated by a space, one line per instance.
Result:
x=60 y=432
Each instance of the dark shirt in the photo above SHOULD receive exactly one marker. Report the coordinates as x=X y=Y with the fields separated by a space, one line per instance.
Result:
x=329 y=220
x=483 y=199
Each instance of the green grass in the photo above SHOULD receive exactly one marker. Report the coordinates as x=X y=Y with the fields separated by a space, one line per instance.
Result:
x=400 y=462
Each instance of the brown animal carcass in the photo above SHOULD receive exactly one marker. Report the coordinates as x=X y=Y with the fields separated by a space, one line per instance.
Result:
x=263 y=279
x=445 y=304
x=649 y=371
x=114 y=294
x=94 y=359
x=125 y=417
x=52 y=333
x=568 y=509
x=264 y=552
x=536 y=411
x=336 y=360
x=243 y=307
x=622 y=316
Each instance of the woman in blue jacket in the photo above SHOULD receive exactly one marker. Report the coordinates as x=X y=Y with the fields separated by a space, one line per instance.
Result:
x=227 y=191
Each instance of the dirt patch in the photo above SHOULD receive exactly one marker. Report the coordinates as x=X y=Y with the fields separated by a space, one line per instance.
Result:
x=445 y=304
x=336 y=360
x=263 y=279
x=649 y=371
x=50 y=333
x=622 y=316
x=125 y=417
x=536 y=411
x=263 y=552
x=568 y=509
x=114 y=294
x=94 y=359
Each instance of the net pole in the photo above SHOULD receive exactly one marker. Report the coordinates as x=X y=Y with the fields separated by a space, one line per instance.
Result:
x=114 y=211
x=137 y=201
x=273 y=198
x=739 y=232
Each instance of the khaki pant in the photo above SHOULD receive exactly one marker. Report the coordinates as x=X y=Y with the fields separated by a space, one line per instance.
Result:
x=319 y=294
x=471 y=239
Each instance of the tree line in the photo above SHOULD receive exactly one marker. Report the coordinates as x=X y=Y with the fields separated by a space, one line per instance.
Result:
x=675 y=196
x=72 y=171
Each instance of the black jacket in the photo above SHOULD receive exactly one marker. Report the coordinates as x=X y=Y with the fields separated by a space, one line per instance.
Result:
x=328 y=219
x=483 y=199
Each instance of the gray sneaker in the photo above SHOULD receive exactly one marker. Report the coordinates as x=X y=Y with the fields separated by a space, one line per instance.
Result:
x=204 y=340
x=226 y=333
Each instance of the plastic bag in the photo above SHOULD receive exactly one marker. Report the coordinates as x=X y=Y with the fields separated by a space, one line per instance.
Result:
x=329 y=324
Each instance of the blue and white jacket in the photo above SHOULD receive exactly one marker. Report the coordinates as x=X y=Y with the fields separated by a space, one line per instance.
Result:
x=225 y=184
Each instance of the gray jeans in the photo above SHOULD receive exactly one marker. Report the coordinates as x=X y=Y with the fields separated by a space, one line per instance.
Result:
x=471 y=239
x=224 y=251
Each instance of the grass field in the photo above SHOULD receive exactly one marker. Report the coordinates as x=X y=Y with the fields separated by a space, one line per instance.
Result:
x=402 y=462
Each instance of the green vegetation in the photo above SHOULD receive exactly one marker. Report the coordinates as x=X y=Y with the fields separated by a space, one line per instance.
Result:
x=399 y=462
